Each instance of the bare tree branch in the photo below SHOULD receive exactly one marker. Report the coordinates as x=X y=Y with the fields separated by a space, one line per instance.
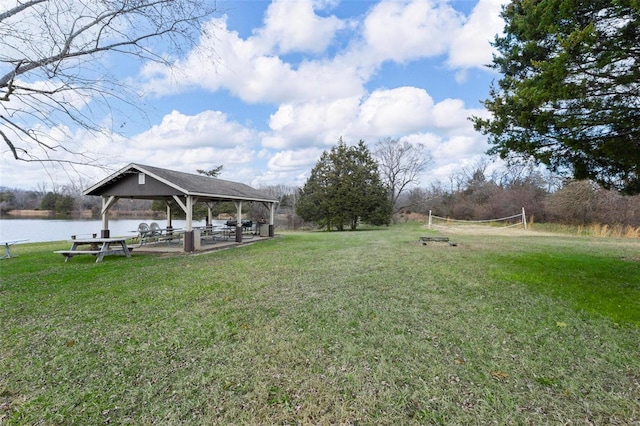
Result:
x=51 y=73
x=400 y=165
x=19 y=8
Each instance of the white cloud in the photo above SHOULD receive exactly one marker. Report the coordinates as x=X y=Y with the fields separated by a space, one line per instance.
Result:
x=251 y=71
x=178 y=142
x=294 y=160
x=396 y=111
x=470 y=44
x=280 y=178
x=458 y=146
x=206 y=129
x=202 y=141
x=293 y=26
x=452 y=116
x=429 y=140
x=317 y=123
x=402 y=31
x=80 y=146
x=384 y=113
x=449 y=155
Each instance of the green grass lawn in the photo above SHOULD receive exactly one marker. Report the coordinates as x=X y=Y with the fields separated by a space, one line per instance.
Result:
x=366 y=327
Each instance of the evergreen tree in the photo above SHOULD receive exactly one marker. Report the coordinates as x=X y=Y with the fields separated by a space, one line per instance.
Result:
x=569 y=95
x=58 y=203
x=344 y=188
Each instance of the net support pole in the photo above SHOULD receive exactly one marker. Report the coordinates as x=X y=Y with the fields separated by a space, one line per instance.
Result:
x=524 y=219
x=429 y=219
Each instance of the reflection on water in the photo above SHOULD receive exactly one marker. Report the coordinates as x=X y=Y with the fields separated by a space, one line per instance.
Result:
x=39 y=230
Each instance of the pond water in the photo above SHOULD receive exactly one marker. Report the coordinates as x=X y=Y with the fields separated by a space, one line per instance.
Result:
x=40 y=230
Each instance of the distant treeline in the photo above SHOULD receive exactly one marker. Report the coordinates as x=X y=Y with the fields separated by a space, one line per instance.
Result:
x=470 y=194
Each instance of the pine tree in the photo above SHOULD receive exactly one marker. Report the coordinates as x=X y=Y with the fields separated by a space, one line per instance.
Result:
x=345 y=189
x=569 y=95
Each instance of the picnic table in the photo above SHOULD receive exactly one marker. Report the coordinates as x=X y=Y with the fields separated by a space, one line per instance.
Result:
x=216 y=232
x=99 y=247
x=7 y=247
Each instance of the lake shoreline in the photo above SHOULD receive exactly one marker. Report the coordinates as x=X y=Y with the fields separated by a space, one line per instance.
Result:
x=82 y=214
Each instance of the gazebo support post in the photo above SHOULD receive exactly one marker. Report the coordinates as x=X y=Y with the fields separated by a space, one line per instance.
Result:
x=209 y=225
x=189 y=244
x=239 y=221
x=272 y=213
x=169 y=222
x=107 y=203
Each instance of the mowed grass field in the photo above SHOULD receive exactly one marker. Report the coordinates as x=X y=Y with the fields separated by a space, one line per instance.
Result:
x=366 y=327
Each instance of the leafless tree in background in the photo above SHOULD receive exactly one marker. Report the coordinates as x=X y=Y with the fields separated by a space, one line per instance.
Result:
x=400 y=164
x=54 y=69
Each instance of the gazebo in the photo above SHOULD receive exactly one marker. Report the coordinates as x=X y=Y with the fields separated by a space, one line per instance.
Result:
x=137 y=181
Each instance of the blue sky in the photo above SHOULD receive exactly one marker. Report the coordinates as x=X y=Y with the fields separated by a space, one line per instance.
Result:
x=274 y=83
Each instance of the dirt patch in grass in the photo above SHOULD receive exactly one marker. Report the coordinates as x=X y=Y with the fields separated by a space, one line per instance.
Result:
x=480 y=230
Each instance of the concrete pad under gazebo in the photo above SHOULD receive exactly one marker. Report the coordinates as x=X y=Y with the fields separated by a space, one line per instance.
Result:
x=137 y=181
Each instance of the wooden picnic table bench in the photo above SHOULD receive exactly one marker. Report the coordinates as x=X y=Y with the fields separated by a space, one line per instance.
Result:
x=99 y=247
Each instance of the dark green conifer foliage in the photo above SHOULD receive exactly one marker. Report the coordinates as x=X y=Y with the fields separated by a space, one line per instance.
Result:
x=345 y=189
x=569 y=92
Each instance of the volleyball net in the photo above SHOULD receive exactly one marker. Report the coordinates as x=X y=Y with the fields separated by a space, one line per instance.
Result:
x=516 y=220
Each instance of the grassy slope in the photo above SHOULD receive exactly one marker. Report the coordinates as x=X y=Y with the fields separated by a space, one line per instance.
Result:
x=360 y=327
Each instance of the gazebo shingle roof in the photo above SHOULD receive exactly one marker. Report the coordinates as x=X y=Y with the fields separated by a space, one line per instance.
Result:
x=185 y=183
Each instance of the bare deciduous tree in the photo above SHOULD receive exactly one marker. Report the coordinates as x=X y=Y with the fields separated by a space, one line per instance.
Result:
x=55 y=73
x=574 y=203
x=400 y=163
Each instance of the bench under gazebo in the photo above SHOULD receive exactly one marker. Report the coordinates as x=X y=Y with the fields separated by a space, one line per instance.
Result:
x=137 y=181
